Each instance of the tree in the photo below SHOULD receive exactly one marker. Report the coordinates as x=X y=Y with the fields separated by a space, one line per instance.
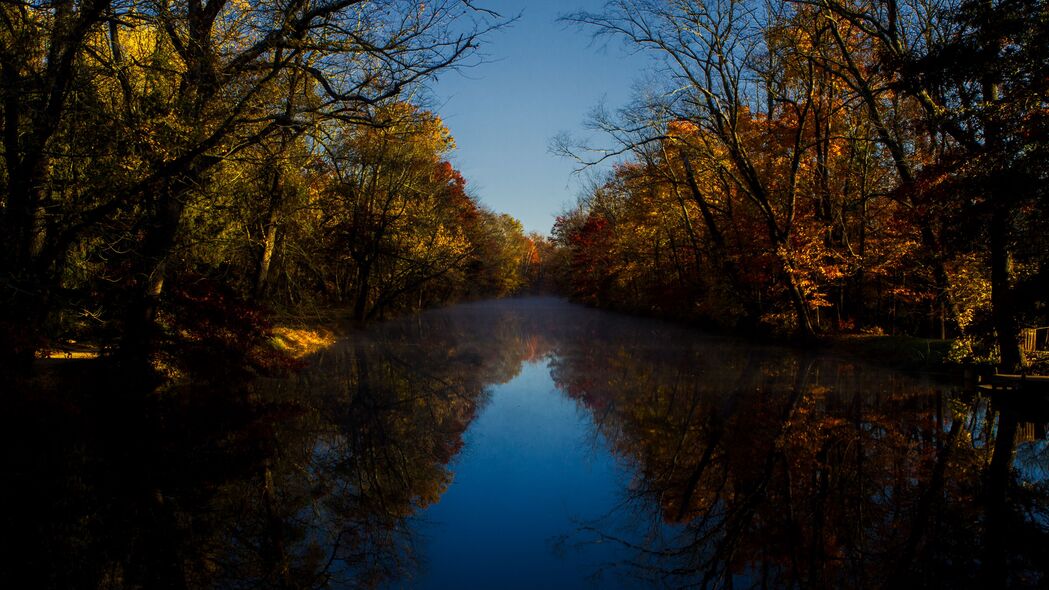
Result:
x=176 y=89
x=39 y=50
x=837 y=157
x=721 y=56
x=974 y=69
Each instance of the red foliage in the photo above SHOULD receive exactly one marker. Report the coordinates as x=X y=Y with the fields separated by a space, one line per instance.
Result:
x=212 y=329
x=591 y=257
x=454 y=185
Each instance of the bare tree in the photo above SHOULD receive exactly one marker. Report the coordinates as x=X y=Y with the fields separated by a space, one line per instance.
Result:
x=724 y=80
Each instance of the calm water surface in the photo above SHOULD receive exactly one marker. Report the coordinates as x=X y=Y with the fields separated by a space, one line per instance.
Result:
x=531 y=444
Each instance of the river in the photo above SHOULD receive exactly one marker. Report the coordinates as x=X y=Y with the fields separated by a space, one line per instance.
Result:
x=532 y=443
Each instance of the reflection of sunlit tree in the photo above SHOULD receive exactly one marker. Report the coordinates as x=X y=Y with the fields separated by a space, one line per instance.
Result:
x=761 y=466
x=774 y=469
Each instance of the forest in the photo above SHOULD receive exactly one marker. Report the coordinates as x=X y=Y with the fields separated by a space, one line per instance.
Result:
x=176 y=172
x=226 y=225
x=823 y=166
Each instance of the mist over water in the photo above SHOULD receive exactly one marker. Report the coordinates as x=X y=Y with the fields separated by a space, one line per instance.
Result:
x=532 y=443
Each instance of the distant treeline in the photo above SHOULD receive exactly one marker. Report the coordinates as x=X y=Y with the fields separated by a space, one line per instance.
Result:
x=806 y=167
x=171 y=170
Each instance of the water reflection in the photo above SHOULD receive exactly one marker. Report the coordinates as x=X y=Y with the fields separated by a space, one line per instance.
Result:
x=301 y=484
x=739 y=466
x=777 y=469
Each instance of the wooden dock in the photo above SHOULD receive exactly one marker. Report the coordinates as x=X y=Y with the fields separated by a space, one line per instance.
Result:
x=1003 y=382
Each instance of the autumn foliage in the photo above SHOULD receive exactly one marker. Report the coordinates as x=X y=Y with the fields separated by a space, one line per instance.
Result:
x=824 y=167
x=169 y=174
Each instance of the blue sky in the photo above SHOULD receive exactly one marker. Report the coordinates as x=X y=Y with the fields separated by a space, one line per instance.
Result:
x=541 y=78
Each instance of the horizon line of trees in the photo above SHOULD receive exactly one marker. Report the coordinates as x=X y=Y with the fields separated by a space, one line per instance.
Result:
x=812 y=166
x=171 y=168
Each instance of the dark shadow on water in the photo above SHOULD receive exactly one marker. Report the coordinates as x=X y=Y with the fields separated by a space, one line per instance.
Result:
x=744 y=466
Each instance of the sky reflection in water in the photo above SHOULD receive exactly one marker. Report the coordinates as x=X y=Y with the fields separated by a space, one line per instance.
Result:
x=532 y=470
x=493 y=445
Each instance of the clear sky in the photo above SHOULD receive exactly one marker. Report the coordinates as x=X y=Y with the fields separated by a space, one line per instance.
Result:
x=541 y=78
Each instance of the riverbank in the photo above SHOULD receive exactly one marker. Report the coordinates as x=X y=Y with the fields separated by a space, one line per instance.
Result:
x=291 y=339
x=904 y=353
x=298 y=336
x=911 y=354
x=301 y=340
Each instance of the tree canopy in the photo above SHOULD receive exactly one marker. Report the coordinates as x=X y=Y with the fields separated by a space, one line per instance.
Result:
x=163 y=161
x=813 y=166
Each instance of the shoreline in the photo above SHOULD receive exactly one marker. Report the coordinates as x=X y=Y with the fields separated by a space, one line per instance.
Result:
x=300 y=335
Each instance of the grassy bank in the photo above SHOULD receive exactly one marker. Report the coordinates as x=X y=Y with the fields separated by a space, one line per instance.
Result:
x=301 y=340
x=907 y=353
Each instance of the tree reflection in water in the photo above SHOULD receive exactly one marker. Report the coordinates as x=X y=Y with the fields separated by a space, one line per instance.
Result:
x=760 y=467
x=778 y=469
x=271 y=484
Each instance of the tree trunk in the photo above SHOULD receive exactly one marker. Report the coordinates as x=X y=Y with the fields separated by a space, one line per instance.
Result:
x=26 y=299
x=805 y=328
x=996 y=533
x=1002 y=309
x=277 y=194
x=269 y=246
x=141 y=332
x=23 y=275
x=269 y=242
x=360 y=304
